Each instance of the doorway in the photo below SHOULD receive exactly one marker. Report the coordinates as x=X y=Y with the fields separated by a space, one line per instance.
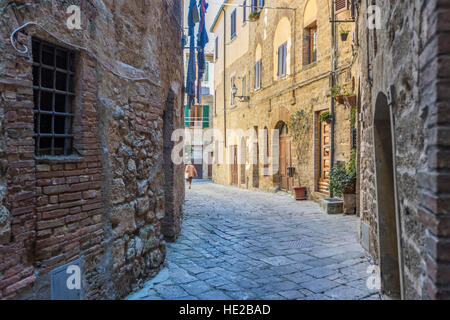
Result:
x=323 y=183
x=386 y=201
x=285 y=158
x=210 y=164
x=234 y=165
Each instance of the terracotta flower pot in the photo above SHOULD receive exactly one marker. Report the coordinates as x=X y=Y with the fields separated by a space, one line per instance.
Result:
x=351 y=100
x=340 y=99
x=300 y=193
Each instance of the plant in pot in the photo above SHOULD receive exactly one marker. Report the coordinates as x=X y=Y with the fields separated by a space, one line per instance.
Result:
x=299 y=126
x=325 y=116
x=343 y=183
x=254 y=15
x=344 y=33
x=337 y=95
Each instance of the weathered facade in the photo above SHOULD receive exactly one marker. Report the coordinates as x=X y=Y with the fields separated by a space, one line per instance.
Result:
x=404 y=160
x=99 y=186
x=248 y=57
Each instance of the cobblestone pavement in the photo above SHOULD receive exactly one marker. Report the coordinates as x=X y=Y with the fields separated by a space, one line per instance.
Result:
x=241 y=244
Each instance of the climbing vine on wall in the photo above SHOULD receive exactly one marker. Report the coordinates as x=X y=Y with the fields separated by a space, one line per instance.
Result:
x=300 y=124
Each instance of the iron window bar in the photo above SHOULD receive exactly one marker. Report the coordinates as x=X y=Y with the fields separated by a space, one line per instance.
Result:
x=53 y=88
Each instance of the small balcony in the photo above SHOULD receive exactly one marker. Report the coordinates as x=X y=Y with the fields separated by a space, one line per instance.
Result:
x=197 y=122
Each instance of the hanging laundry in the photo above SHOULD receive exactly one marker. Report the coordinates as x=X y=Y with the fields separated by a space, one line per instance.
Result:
x=202 y=40
x=193 y=18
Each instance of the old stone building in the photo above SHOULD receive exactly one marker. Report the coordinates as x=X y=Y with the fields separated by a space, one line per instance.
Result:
x=404 y=83
x=86 y=121
x=283 y=59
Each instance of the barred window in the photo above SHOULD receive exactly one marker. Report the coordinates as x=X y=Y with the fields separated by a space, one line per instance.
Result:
x=53 y=88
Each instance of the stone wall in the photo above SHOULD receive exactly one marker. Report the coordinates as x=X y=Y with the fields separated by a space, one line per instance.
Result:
x=105 y=204
x=306 y=87
x=405 y=62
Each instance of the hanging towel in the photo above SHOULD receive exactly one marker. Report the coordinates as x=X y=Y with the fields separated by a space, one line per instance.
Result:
x=202 y=40
x=191 y=72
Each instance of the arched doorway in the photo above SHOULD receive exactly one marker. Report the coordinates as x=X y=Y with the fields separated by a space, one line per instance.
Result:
x=386 y=201
x=285 y=156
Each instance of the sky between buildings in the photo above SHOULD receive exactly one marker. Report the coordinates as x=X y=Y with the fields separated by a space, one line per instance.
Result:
x=214 y=6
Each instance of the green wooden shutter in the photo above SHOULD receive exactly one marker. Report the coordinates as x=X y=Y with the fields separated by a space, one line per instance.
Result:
x=186 y=116
x=205 y=116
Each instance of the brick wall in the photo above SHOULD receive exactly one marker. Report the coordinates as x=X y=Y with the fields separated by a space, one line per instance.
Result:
x=105 y=203
x=410 y=55
x=434 y=191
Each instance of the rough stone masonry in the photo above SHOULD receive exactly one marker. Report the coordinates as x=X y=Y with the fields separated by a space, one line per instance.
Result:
x=113 y=199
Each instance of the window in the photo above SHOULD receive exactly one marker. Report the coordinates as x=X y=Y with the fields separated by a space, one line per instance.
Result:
x=312 y=43
x=244 y=11
x=216 y=49
x=195 y=116
x=258 y=65
x=233 y=24
x=340 y=4
x=233 y=82
x=206 y=74
x=282 y=54
x=54 y=93
x=254 y=5
x=261 y=4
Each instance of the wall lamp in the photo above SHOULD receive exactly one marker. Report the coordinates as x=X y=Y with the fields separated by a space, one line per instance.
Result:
x=234 y=91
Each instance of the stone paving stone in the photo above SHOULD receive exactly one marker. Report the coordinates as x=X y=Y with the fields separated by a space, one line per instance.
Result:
x=196 y=287
x=240 y=244
x=171 y=292
x=320 y=272
x=214 y=295
x=292 y=294
x=319 y=285
x=345 y=293
x=298 y=277
x=217 y=281
x=277 y=261
x=205 y=275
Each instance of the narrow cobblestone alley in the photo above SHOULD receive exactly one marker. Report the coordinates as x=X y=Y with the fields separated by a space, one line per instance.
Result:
x=240 y=244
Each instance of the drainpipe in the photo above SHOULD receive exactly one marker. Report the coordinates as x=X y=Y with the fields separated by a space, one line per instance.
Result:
x=333 y=83
x=294 y=55
x=224 y=77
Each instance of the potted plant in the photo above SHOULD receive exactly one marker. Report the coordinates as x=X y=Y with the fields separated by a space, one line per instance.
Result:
x=299 y=192
x=254 y=15
x=350 y=99
x=343 y=183
x=344 y=33
x=325 y=116
x=336 y=94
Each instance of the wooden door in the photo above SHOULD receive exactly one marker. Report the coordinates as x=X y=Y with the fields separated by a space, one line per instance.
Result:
x=234 y=166
x=210 y=162
x=285 y=162
x=324 y=157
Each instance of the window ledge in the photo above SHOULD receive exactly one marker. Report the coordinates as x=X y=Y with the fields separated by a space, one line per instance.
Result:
x=59 y=159
x=310 y=65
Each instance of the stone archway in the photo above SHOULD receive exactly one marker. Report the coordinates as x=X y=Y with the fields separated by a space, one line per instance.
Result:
x=285 y=156
x=171 y=224
x=386 y=201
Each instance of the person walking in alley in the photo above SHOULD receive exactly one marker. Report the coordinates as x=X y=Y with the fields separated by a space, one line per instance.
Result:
x=189 y=173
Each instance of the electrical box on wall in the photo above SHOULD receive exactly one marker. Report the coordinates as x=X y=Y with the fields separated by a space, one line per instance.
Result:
x=66 y=282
